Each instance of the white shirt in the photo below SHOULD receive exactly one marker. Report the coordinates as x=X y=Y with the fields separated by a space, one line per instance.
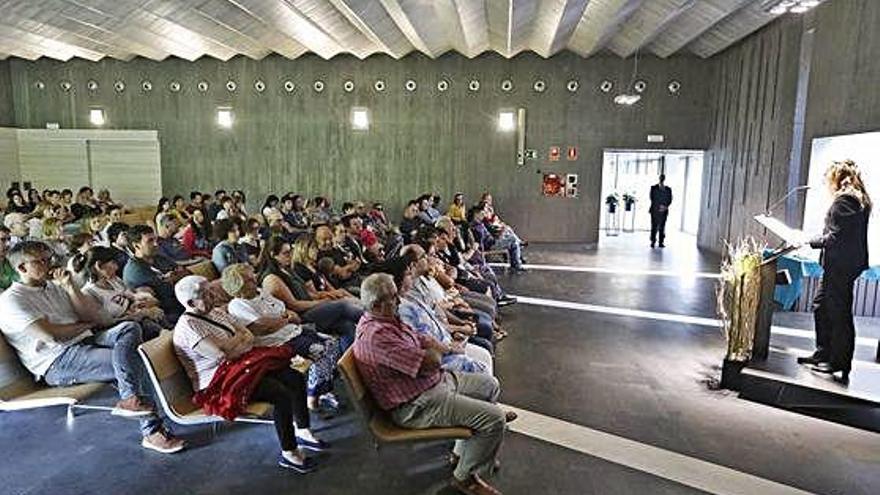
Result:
x=21 y=305
x=247 y=311
x=115 y=300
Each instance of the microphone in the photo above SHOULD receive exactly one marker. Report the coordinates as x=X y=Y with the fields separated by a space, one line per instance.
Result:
x=769 y=210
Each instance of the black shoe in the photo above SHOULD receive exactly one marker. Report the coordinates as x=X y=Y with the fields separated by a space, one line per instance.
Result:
x=652 y=245
x=843 y=378
x=662 y=245
x=814 y=359
x=506 y=301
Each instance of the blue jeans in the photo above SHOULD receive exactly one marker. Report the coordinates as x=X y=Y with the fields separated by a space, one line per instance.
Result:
x=110 y=355
x=512 y=244
x=339 y=317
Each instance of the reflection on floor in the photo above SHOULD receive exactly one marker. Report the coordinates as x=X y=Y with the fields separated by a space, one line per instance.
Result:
x=635 y=379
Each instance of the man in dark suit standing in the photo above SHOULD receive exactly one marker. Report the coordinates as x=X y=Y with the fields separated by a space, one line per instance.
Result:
x=661 y=198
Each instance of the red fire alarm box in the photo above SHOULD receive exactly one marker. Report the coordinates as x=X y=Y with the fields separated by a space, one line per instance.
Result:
x=554 y=153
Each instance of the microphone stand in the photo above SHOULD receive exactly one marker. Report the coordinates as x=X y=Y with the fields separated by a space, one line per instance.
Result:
x=769 y=211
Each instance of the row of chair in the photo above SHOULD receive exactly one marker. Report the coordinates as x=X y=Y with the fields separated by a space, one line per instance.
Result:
x=18 y=390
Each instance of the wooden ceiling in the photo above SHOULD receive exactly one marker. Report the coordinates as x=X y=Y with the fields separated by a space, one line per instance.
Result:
x=189 y=29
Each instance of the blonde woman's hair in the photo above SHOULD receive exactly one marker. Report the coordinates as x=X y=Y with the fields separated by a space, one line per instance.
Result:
x=845 y=177
x=300 y=249
x=232 y=278
x=51 y=228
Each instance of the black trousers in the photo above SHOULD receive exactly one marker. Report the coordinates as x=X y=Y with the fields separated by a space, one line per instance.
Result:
x=658 y=225
x=285 y=389
x=832 y=313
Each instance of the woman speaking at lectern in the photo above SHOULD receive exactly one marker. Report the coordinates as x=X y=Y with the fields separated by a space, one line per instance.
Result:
x=844 y=245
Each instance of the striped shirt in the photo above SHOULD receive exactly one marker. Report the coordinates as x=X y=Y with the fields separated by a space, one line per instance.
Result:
x=388 y=355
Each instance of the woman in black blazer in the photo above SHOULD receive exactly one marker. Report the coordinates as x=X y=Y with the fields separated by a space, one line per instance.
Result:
x=844 y=245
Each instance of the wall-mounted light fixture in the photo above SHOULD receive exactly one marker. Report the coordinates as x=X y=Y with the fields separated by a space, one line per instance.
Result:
x=96 y=116
x=506 y=121
x=224 y=117
x=360 y=119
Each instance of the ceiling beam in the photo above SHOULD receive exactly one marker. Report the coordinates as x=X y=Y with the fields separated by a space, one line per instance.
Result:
x=25 y=17
x=286 y=18
x=646 y=24
x=520 y=25
x=600 y=21
x=690 y=25
x=47 y=46
x=403 y=22
x=555 y=25
x=474 y=24
x=498 y=20
x=731 y=29
x=324 y=15
x=210 y=28
x=242 y=20
x=374 y=22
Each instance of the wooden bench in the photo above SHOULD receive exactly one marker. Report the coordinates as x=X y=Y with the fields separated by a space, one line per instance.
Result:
x=379 y=422
x=141 y=215
x=19 y=390
x=174 y=389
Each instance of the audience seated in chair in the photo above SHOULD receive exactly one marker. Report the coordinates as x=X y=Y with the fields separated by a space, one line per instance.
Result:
x=62 y=337
x=227 y=251
x=272 y=325
x=8 y=275
x=206 y=339
x=457 y=210
x=345 y=272
x=196 y=236
x=305 y=265
x=402 y=369
x=478 y=327
x=459 y=354
x=147 y=270
x=167 y=227
x=477 y=278
x=487 y=241
x=277 y=278
x=116 y=302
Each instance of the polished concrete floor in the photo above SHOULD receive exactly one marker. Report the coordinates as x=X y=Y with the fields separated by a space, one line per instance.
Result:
x=635 y=378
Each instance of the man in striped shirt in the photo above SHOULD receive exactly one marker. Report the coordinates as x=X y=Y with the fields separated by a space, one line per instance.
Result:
x=401 y=368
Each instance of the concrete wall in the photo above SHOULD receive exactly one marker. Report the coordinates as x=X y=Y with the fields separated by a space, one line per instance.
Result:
x=844 y=97
x=750 y=161
x=421 y=141
x=746 y=166
x=7 y=116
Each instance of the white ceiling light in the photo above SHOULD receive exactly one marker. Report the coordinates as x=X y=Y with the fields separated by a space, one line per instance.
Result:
x=631 y=98
x=360 y=119
x=627 y=100
x=224 y=117
x=506 y=121
x=780 y=7
x=96 y=116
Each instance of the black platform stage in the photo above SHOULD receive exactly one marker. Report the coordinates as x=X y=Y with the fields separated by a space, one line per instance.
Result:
x=780 y=381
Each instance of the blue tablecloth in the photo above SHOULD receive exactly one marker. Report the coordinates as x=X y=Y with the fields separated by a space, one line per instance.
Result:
x=800 y=268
